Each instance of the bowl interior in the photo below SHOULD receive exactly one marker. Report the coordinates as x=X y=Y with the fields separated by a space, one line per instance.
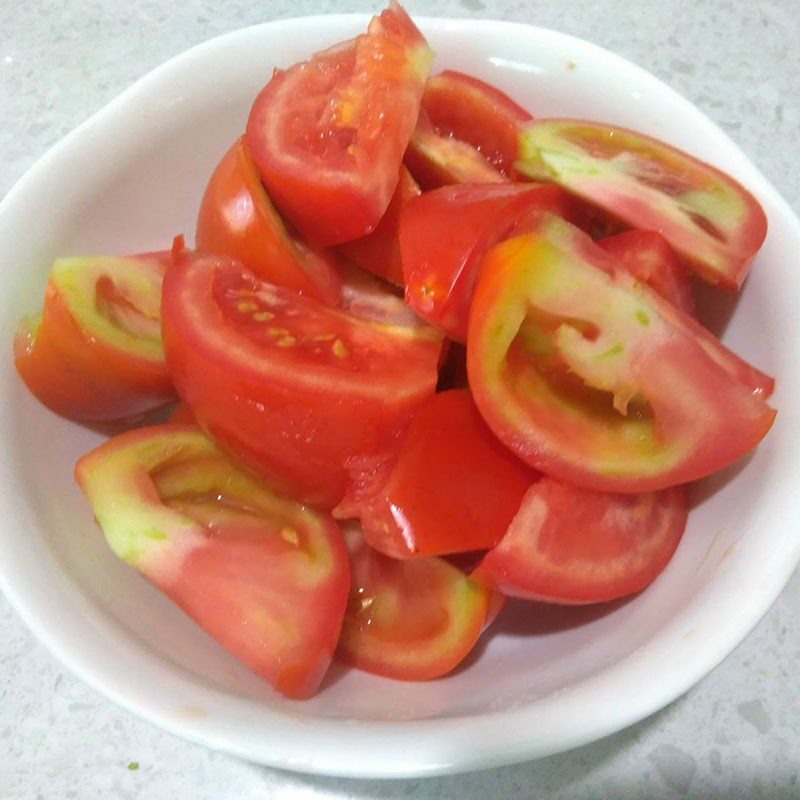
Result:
x=132 y=178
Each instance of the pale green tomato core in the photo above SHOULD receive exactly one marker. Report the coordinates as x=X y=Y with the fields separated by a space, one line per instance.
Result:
x=158 y=497
x=130 y=317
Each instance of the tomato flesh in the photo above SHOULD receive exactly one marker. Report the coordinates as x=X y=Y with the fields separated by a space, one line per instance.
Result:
x=328 y=135
x=237 y=219
x=649 y=258
x=435 y=160
x=95 y=352
x=291 y=387
x=467 y=109
x=708 y=218
x=265 y=577
x=574 y=546
x=379 y=251
x=444 y=234
x=410 y=620
x=593 y=378
x=449 y=486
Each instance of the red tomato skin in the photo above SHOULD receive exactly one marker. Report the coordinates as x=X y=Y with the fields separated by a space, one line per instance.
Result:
x=227 y=579
x=574 y=546
x=237 y=219
x=278 y=412
x=434 y=617
x=340 y=101
x=648 y=256
x=436 y=160
x=83 y=378
x=449 y=486
x=444 y=235
x=465 y=108
x=379 y=251
x=704 y=365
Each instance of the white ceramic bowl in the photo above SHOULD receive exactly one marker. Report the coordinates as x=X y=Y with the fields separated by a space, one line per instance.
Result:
x=128 y=180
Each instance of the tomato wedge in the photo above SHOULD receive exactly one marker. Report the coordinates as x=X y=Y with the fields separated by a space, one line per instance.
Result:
x=266 y=577
x=444 y=235
x=449 y=486
x=379 y=251
x=409 y=620
x=572 y=545
x=435 y=160
x=95 y=351
x=237 y=219
x=708 y=218
x=594 y=378
x=291 y=387
x=328 y=135
x=649 y=258
x=467 y=109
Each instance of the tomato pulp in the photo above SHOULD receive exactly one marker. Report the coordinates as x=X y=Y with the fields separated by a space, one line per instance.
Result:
x=410 y=620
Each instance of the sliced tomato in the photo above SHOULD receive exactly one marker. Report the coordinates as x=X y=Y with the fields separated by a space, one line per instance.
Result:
x=708 y=218
x=572 y=545
x=445 y=233
x=291 y=387
x=449 y=486
x=266 y=577
x=409 y=620
x=328 y=135
x=95 y=351
x=237 y=219
x=436 y=160
x=649 y=258
x=467 y=109
x=593 y=378
x=379 y=251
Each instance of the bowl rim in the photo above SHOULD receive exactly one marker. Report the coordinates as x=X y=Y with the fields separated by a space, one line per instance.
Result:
x=346 y=748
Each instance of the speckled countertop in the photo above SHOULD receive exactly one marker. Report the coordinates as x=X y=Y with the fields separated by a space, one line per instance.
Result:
x=736 y=734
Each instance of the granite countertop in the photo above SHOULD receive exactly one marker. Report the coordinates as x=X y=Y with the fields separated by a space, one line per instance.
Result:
x=736 y=734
